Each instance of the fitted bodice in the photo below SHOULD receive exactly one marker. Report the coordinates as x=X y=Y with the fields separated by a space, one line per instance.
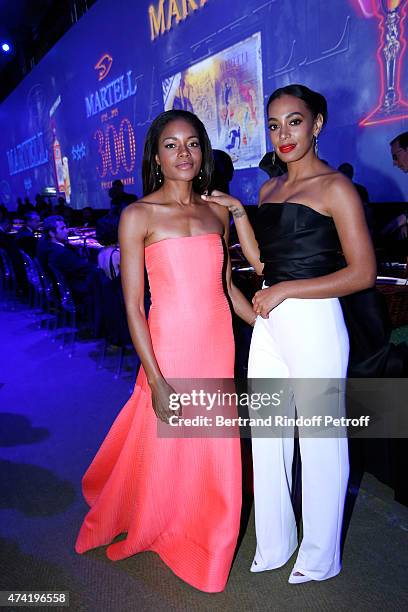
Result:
x=182 y=270
x=188 y=300
x=295 y=242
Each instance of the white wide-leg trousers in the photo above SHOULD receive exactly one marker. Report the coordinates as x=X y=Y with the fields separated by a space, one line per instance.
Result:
x=303 y=338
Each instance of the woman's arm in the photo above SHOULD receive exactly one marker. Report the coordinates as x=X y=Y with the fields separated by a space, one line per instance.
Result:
x=246 y=234
x=133 y=229
x=360 y=272
x=132 y=233
x=239 y=302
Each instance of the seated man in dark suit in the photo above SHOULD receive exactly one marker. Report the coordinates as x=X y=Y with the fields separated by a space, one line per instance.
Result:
x=25 y=238
x=54 y=250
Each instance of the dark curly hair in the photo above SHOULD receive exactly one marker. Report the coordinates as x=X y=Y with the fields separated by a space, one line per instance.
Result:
x=151 y=181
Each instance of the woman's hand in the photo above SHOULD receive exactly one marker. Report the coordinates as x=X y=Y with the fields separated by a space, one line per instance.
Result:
x=218 y=197
x=245 y=232
x=161 y=392
x=267 y=299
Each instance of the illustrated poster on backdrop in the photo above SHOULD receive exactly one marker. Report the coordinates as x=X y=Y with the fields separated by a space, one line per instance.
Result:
x=225 y=91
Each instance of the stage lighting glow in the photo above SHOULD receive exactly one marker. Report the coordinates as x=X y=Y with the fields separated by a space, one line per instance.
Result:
x=5 y=47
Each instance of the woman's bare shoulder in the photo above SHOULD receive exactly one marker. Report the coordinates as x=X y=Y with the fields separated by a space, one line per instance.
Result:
x=220 y=211
x=267 y=188
x=137 y=211
x=341 y=194
x=337 y=184
x=134 y=220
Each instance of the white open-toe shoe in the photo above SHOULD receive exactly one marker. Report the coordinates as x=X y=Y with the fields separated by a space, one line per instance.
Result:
x=295 y=578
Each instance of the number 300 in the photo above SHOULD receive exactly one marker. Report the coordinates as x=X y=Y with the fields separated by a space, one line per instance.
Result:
x=112 y=150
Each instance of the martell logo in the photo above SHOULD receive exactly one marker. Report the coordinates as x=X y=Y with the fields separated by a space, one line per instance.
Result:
x=113 y=92
x=104 y=64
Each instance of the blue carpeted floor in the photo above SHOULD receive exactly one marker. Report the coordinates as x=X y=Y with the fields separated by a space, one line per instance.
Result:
x=54 y=412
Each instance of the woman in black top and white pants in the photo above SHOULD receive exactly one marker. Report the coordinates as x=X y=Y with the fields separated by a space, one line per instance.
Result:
x=306 y=217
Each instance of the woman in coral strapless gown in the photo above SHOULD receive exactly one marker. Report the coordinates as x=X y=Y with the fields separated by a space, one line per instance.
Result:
x=178 y=497
x=306 y=217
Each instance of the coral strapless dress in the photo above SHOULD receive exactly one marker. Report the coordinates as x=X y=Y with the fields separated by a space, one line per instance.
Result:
x=178 y=497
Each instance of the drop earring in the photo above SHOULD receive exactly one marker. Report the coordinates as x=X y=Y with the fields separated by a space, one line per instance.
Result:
x=200 y=175
x=273 y=158
x=159 y=174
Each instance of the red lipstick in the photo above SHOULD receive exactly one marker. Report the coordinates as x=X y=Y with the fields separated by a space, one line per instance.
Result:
x=287 y=148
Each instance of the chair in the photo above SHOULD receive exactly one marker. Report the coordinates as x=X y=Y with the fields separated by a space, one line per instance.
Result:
x=35 y=286
x=50 y=303
x=116 y=331
x=67 y=306
x=8 y=278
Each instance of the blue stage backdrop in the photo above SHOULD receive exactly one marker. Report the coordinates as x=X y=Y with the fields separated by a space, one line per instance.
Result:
x=79 y=119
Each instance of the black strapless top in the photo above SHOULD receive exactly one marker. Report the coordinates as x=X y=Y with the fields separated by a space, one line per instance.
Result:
x=296 y=242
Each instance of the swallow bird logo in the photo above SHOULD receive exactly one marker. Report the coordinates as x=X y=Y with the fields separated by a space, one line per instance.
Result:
x=104 y=65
